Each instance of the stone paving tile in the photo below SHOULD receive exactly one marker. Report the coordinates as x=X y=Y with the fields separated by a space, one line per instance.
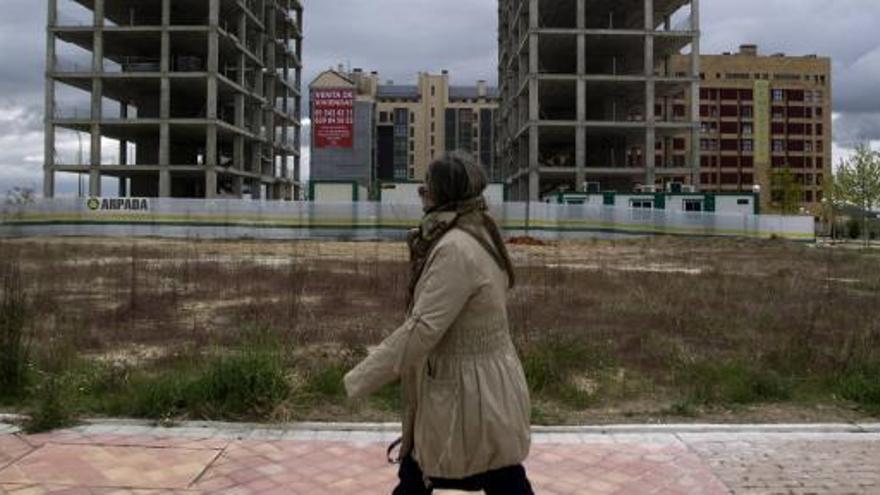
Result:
x=794 y=464
x=109 y=466
x=151 y=460
x=11 y=449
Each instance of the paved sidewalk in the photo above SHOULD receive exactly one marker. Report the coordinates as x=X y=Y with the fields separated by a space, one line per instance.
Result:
x=127 y=457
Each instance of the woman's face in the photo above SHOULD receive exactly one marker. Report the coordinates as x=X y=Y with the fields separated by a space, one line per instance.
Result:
x=426 y=197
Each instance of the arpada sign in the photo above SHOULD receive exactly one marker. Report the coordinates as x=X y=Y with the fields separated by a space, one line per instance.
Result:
x=118 y=204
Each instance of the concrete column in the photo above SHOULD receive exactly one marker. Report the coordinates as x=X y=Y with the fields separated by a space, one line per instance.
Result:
x=211 y=162
x=650 y=118
x=49 y=131
x=580 y=153
x=165 y=104
x=97 y=104
x=238 y=159
x=123 y=153
x=695 y=94
x=534 y=106
x=211 y=99
x=123 y=144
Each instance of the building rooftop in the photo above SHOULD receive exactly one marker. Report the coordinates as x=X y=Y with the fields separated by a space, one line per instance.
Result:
x=398 y=91
x=470 y=92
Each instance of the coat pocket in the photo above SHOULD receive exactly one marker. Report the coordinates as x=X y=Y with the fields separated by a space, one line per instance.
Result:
x=437 y=415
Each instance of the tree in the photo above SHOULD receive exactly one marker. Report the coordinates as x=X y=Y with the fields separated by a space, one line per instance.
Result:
x=786 y=193
x=858 y=183
x=831 y=203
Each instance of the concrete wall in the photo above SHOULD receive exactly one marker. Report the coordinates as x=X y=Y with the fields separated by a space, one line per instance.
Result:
x=408 y=193
x=730 y=204
x=332 y=193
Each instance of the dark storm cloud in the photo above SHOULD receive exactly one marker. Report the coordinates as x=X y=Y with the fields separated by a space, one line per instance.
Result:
x=399 y=38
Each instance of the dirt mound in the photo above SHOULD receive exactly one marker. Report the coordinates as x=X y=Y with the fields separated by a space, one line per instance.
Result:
x=526 y=241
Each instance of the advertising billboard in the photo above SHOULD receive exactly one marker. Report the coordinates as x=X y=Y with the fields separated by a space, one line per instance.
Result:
x=333 y=118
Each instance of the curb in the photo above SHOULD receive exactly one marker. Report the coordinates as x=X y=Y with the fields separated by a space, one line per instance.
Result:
x=624 y=429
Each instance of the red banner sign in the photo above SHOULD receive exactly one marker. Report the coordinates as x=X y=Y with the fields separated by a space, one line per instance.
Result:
x=333 y=118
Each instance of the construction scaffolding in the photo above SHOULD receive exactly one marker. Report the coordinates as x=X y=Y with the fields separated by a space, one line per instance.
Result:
x=201 y=97
x=588 y=98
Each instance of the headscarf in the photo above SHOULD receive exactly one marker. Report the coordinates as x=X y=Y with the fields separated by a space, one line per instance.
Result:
x=456 y=182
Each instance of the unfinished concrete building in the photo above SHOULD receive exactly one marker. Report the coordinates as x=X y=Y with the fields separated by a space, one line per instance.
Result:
x=588 y=98
x=182 y=98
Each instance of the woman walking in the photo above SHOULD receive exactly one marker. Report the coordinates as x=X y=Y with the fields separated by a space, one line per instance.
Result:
x=466 y=402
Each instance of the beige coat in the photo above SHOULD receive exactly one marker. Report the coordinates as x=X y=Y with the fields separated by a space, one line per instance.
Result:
x=466 y=400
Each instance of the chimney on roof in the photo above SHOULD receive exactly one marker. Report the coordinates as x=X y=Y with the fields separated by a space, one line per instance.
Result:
x=481 y=88
x=748 y=50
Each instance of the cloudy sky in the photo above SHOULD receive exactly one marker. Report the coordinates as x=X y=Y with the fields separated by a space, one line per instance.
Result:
x=402 y=37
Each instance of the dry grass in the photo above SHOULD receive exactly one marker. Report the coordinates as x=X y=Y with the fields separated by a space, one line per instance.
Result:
x=654 y=327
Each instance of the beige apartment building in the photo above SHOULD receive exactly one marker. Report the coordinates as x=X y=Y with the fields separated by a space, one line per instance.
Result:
x=761 y=115
x=406 y=126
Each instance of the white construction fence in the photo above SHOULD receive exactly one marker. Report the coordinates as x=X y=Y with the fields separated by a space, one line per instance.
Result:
x=231 y=219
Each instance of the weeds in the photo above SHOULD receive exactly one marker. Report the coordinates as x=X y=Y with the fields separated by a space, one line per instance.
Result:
x=861 y=384
x=694 y=323
x=732 y=383
x=14 y=340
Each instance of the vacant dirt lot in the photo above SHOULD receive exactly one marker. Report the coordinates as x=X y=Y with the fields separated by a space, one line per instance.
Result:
x=610 y=331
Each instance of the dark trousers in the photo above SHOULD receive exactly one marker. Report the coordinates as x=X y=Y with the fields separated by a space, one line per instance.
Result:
x=506 y=481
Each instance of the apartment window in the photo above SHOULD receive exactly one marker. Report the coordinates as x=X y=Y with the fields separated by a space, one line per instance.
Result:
x=729 y=145
x=808 y=146
x=729 y=128
x=819 y=112
x=412 y=146
x=641 y=204
x=412 y=117
x=412 y=159
x=778 y=95
x=778 y=113
x=729 y=94
x=412 y=132
x=747 y=145
x=433 y=112
x=433 y=93
x=693 y=205
x=432 y=140
x=819 y=129
x=778 y=145
x=820 y=147
x=746 y=112
x=433 y=128
x=818 y=96
x=383 y=117
x=747 y=129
